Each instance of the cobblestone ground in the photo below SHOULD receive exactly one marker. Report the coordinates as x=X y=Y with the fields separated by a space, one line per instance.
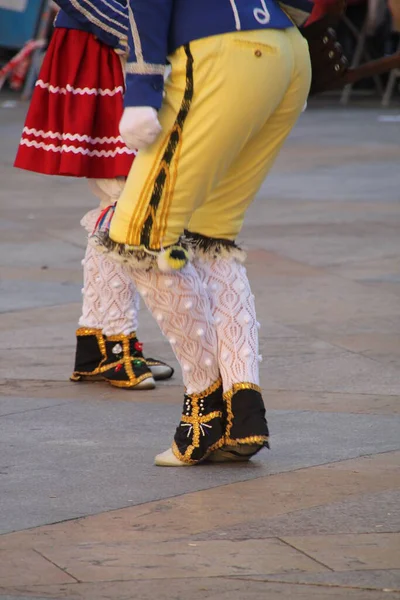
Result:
x=84 y=514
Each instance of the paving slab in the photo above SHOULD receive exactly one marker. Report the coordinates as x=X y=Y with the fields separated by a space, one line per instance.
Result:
x=105 y=452
x=359 y=513
x=213 y=589
x=383 y=580
x=17 y=295
x=351 y=551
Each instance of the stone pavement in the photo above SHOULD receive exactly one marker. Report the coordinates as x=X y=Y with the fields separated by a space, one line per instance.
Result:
x=84 y=514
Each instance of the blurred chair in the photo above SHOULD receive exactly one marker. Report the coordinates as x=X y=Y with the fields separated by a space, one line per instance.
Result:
x=390 y=87
x=377 y=12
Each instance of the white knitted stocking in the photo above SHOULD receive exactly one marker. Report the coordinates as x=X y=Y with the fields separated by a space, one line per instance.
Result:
x=119 y=298
x=91 y=305
x=235 y=319
x=111 y=301
x=181 y=307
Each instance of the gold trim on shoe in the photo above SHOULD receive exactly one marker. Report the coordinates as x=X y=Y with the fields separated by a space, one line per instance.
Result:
x=253 y=439
x=197 y=421
x=97 y=374
x=185 y=457
x=130 y=384
x=89 y=331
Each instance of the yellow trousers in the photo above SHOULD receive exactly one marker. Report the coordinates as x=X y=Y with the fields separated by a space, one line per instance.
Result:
x=230 y=102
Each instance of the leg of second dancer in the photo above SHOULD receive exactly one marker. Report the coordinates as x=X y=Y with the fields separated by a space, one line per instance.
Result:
x=107 y=343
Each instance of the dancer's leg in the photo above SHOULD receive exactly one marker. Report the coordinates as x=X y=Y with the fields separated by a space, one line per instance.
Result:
x=205 y=179
x=181 y=307
x=110 y=314
x=233 y=308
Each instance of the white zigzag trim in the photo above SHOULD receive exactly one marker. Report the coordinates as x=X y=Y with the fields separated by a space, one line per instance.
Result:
x=75 y=150
x=82 y=91
x=72 y=137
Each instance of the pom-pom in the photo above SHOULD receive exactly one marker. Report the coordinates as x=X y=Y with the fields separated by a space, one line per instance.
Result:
x=172 y=259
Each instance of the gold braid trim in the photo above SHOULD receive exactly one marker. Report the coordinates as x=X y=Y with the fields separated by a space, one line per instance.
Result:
x=140 y=67
x=86 y=332
x=186 y=457
x=126 y=361
x=254 y=439
x=121 y=337
x=205 y=419
x=128 y=384
x=92 y=19
x=196 y=421
x=210 y=390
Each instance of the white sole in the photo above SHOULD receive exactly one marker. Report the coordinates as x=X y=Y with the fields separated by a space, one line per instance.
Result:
x=146 y=384
x=168 y=459
x=159 y=372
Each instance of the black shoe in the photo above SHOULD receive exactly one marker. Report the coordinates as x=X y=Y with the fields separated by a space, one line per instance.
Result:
x=159 y=369
x=202 y=426
x=117 y=359
x=246 y=426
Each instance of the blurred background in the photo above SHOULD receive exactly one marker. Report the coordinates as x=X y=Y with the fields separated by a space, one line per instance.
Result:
x=366 y=31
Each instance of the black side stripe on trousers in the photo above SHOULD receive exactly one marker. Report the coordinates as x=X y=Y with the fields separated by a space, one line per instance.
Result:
x=173 y=143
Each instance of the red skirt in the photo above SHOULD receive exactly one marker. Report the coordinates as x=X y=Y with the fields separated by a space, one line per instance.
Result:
x=72 y=123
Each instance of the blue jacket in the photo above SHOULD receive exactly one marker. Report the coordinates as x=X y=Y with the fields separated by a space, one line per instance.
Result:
x=158 y=27
x=155 y=28
x=106 y=19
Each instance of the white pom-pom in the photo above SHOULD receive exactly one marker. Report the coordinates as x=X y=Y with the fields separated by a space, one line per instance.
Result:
x=214 y=287
x=217 y=320
x=169 y=283
x=159 y=317
x=113 y=314
x=83 y=261
x=208 y=362
x=260 y=358
x=83 y=291
x=143 y=293
x=258 y=325
x=188 y=305
x=116 y=284
x=172 y=341
x=187 y=368
x=242 y=287
x=225 y=356
x=200 y=332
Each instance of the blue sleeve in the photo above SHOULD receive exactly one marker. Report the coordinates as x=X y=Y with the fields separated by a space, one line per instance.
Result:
x=149 y=23
x=106 y=19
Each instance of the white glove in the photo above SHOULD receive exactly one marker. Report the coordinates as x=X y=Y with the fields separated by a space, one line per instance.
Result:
x=139 y=126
